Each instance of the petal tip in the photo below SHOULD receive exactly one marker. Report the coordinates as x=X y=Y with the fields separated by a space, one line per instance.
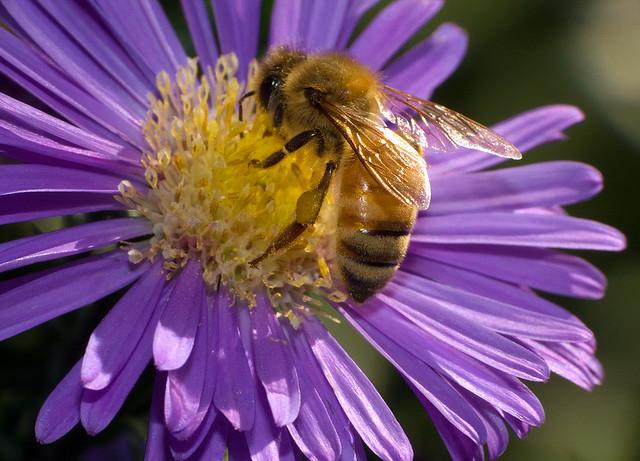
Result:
x=169 y=350
x=44 y=435
x=572 y=114
x=92 y=376
x=449 y=29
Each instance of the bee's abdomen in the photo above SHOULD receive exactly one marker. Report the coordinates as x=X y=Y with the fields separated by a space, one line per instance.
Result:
x=372 y=232
x=368 y=258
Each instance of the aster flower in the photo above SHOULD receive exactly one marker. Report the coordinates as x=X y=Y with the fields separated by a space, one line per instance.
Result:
x=244 y=365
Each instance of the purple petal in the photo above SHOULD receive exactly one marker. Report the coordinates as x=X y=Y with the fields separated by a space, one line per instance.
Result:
x=423 y=378
x=195 y=13
x=17 y=112
x=14 y=282
x=544 y=210
x=263 y=439
x=439 y=301
x=323 y=34
x=423 y=68
x=26 y=142
x=157 y=447
x=27 y=68
x=313 y=430
x=235 y=390
x=287 y=450
x=175 y=334
x=366 y=410
x=246 y=334
x=98 y=408
x=449 y=327
x=211 y=377
x=37 y=191
x=519 y=229
x=66 y=157
x=187 y=400
x=293 y=24
x=390 y=334
x=118 y=334
x=539 y=185
x=144 y=28
x=61 y=411
x=78 y=21
x=186 y=447
x=69 y=287
x=31 y=206
x=497 y=434
x=62 y=107
x=508 y=294
x=287 y=27
x=68 y=55
x=357 y=450
x=487 y=287
x=238 y=24
x=520 y=428
x=391 y=29
x=357 y=8
x=10 y=22
x=27 y=63
x=274 y=364
x=69 y=241
x=18 y=179
x=582 y=354
x=542 y=269
x=526 y=131
x=460 y=447
x=349 y=442
x=445 y=398
x=215 y=443
x=577 y=366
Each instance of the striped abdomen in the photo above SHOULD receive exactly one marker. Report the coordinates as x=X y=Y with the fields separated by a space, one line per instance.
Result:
x=372 y=233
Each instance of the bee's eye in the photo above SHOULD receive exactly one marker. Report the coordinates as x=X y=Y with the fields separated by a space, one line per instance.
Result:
x=267 y=87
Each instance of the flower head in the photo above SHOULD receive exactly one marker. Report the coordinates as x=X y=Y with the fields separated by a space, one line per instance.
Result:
x=244 y=364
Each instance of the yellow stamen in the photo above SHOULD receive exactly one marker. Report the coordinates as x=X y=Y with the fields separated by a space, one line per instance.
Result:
x=205 y=200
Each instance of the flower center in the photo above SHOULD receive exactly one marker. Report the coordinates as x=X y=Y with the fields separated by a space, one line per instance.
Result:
x=207 y=202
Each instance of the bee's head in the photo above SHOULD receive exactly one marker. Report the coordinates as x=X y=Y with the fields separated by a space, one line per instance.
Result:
x=274 y=70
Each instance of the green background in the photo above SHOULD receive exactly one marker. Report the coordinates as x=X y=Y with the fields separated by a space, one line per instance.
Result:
x=522 y=54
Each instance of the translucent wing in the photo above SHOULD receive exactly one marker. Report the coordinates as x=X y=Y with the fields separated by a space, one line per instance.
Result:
x=394 y=161
x=437 y=128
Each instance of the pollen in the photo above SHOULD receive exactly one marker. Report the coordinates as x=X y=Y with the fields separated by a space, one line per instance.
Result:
x=207 y=202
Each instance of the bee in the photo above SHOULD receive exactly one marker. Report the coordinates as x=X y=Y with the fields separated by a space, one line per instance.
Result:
x=373 y=137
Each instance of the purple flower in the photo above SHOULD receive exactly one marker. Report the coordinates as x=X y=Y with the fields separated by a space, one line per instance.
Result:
x=244 y=364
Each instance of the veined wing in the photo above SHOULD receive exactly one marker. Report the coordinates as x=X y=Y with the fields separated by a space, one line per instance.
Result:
x=395 y=162
x=440 y=129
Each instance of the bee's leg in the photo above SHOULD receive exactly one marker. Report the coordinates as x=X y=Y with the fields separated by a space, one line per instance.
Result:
x=298 y=141
x=307 y=209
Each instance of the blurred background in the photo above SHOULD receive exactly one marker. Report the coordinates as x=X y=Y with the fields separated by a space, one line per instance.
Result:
x=522 y=54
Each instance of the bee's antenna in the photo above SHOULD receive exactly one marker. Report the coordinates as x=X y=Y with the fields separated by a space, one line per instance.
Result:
x=248 y=94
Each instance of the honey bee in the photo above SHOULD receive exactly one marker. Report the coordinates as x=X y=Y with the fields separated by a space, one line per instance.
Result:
x=374 y=136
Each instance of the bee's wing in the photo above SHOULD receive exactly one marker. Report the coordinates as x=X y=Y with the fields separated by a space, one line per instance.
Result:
x=440 y=129
x=393 y=161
